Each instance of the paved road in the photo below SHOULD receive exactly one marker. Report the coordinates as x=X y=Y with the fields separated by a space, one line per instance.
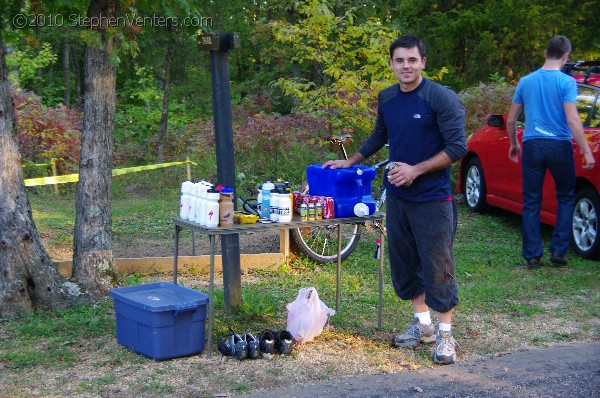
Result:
x=567 y=371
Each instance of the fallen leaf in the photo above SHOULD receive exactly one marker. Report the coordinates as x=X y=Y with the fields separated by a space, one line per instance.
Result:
x=417 y=389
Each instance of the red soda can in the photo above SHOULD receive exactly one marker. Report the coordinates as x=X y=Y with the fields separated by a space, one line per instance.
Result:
x=297 y=196
x=313 y=199
x=305 y=199
x=328 y=208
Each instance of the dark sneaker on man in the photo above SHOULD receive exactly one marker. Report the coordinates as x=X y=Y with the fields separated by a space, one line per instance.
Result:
x=416 y=333
x=444 y=350
x=266 y=342
x=558 y=259
x=284 y=342
x=534 y=263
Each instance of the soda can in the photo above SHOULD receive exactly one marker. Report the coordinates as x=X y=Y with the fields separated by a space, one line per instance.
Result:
x=297 y=198
x=305 y=199
x=303 y=212
x=311 y=211
x=328 y=209
x=313 y=199
x=319 y=211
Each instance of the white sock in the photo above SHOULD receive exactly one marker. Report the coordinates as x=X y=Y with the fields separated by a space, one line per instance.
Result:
x=445 y=327
x=424 y=317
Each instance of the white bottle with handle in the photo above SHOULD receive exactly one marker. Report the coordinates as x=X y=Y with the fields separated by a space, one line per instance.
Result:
x=274 y=205
x=285 y=206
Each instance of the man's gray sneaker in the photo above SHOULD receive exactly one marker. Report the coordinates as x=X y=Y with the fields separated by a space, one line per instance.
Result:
x=444 y=350
x=416 y=333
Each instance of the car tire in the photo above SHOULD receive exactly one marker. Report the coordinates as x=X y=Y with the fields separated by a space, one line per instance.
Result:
x=474 y=185
x=584 y=231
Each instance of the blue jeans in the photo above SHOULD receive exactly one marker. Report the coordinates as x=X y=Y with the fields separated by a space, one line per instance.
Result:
x=556 y=156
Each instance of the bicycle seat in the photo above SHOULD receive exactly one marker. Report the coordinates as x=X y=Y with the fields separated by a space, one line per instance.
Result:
x=336 y=139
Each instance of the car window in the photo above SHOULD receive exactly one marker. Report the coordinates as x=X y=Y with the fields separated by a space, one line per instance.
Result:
x=588 y=103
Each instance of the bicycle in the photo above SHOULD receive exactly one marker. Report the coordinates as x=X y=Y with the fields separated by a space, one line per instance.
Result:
x=320 y=244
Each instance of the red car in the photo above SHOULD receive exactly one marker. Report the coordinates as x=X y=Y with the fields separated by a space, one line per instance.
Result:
x=488 y=177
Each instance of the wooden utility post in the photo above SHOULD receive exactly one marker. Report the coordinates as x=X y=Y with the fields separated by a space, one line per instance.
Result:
x=219 y=45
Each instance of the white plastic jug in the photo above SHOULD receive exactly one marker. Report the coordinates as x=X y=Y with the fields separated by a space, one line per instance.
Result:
x=285 y=206
x=275 y=205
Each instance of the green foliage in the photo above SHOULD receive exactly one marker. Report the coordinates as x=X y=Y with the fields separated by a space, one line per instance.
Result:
x=477 y=39
x=344 y=65
x=483 y=100
x=25 y=64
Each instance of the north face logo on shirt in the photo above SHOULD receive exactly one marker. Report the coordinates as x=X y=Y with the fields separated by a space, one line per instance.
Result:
x=417 y=116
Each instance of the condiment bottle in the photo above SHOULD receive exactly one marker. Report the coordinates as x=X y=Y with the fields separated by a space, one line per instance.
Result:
x=226 y=207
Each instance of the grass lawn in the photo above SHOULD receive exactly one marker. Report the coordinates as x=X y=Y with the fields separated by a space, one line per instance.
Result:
x=503 y=307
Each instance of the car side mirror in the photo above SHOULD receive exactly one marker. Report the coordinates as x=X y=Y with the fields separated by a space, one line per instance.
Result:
x=495 y=121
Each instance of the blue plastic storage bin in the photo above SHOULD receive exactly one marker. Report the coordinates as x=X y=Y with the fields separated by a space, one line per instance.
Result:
x=347 y=187
x=160 y=320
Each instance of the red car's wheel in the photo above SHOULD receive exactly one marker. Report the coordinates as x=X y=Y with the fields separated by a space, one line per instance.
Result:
x=584 y=233
x=474 y=183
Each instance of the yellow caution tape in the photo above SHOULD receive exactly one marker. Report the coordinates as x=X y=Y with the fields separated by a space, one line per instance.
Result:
x=30 y=182
x=37 y=165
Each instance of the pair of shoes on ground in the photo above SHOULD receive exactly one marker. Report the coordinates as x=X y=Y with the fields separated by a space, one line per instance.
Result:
x=555 y=258
x=272 y=342
x=444 y=349
x=239 y=346
x=248 y=346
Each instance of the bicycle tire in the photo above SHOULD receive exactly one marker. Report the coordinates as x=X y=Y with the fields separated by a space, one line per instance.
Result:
x=320 y=244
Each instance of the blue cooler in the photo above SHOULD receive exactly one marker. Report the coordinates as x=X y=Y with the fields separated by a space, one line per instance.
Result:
x=347 y=187
x=160 y=320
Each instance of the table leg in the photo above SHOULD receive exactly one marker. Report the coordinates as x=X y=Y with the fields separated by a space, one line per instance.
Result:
x=381 y=256
x=176 y=252
x=211 y=305
x=339 y=269
x=193 y=243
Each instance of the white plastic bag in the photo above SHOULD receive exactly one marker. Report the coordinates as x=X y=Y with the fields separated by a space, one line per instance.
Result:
x=307 y=315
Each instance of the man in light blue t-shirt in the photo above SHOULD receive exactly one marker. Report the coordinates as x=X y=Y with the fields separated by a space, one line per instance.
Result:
x=549 y=98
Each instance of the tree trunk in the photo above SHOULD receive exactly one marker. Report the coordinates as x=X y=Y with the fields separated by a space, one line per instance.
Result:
x=28 y=278
x=66 y=73
x=93 y=262
x=77 y=75
x=164 y=119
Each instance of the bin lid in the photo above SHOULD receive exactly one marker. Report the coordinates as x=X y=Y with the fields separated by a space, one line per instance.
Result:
x=160 y=296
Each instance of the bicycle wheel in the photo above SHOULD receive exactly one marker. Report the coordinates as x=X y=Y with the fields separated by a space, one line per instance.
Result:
x=320 y=244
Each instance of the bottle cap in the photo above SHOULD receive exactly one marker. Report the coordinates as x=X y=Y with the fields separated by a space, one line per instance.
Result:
x=212 y=194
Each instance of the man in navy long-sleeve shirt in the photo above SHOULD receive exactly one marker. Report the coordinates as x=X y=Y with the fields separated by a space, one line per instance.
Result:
x=424 y=125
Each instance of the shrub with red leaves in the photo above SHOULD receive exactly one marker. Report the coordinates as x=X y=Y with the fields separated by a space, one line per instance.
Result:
x=46 y=132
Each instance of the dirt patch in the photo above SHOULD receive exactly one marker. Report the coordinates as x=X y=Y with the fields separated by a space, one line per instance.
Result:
x=162 y=246
x=251 y=243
